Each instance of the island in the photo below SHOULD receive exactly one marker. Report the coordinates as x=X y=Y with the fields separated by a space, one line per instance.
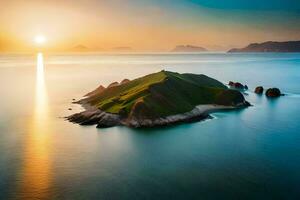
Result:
x=188 y=48
x=289 y=46
x=157 y=99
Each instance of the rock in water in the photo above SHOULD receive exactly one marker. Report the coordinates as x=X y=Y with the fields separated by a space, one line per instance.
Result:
x=237 y=85
x=273 y=92
x=259 y=90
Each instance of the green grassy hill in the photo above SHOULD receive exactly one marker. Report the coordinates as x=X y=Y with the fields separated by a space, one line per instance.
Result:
x=162 y=94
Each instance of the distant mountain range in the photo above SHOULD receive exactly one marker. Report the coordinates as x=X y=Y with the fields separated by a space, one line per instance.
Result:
x=270 y=46
x=188 y=48
x=121 y=49
x=83 y=48
x=289 y=46
x=79 y=48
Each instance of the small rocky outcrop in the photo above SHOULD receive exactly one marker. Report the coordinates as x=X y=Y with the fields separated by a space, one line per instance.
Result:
x=95 y=116
x=273 y=92
x=108 y=120
x=237 y=85
x=259 y=90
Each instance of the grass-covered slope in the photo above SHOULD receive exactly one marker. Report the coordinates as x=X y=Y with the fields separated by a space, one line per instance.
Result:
x=162 y=94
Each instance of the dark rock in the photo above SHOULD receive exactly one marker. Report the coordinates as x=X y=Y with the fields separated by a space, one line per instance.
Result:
x=237 y=85
x=273 y=92
x=91 y=117
x=83 y=117
x=259 y=90
x=70 y=109
x=246 y=104
x=108 y=121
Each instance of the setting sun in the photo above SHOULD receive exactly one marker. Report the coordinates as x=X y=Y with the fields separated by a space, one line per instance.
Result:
x=40 y=39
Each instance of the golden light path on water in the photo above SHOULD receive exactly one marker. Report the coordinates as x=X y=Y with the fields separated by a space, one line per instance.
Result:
x=36 y=169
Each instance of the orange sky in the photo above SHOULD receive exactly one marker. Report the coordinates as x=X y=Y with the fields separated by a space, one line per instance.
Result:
x=142 y=25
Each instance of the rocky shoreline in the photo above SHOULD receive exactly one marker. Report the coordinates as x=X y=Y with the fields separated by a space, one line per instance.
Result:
x=94 y=116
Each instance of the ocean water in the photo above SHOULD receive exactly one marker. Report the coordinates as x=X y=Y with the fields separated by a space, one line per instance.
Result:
x=247 y=154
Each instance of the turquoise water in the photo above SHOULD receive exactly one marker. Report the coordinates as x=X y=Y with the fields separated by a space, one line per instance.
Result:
x=247 y=154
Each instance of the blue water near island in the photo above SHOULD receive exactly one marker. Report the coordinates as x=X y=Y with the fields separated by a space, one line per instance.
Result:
x=252 y=153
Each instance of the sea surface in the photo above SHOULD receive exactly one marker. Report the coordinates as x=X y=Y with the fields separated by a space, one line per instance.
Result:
x=246 y=154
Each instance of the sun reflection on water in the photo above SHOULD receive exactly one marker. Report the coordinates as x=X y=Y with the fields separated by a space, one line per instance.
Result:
x=41 y=101
x=36 y=173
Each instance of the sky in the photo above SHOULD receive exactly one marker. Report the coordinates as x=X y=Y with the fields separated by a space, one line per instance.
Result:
x=145 y=25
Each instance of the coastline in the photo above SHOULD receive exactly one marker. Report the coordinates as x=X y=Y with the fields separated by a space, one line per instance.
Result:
x=95 y=116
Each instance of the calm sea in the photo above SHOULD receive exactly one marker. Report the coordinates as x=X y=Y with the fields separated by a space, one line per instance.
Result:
x=248 y=154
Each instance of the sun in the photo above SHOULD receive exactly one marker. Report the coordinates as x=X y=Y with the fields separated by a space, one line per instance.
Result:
x=40 y=39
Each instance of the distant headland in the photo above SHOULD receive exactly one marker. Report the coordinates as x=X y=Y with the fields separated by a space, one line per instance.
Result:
x=188 y=48
x=156 y=99
x=122 y=49
x=79 y=48
x=84 y=48
x=289 y=46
